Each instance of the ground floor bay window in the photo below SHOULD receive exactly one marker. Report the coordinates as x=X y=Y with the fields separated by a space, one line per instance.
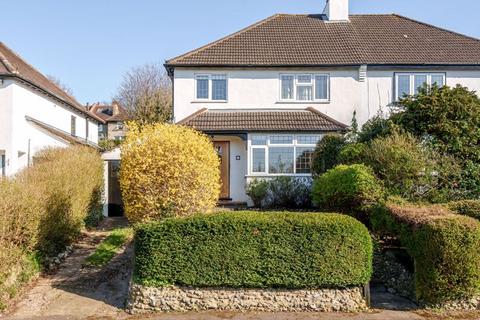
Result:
x=281 y=154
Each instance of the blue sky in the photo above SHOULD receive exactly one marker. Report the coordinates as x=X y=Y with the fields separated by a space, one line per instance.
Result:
x=89 y=44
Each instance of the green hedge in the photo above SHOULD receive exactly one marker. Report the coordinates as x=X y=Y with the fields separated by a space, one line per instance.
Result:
x=444 y=246
x=254 y=250
x=469 y=208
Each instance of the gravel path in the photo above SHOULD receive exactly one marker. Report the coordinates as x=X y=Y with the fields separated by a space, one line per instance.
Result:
x=75 y=291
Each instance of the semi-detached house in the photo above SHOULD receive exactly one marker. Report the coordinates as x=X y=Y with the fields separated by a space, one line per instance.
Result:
x=36 y=114
x=268 y=93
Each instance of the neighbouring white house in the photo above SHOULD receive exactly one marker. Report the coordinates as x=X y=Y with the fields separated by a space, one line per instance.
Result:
x=268 y=93
x=35 y=113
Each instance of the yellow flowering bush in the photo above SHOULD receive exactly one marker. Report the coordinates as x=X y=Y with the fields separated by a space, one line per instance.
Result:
x=167 y=170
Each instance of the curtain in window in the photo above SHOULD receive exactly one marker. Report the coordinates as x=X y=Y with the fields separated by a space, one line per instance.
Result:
x=287 y=87
x=304 y=93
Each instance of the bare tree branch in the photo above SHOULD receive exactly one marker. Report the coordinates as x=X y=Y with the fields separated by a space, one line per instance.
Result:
x=146 y=94
x=60 y=84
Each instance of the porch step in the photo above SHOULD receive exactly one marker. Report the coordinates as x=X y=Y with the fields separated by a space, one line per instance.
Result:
x=234 y=205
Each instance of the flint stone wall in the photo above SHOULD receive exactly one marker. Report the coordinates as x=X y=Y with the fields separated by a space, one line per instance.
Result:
x=146 y=299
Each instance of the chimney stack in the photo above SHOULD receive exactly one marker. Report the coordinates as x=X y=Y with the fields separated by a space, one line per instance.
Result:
x=337 y=10
x=115 y=109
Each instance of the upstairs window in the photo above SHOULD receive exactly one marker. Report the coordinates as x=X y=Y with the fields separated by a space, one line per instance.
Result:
x=211 y=87
x=304 y=87
x=410 y=83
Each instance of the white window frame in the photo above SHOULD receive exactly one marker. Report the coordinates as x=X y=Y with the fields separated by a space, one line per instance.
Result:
x=412 y=80
x=268 y=145
x=210 y=87
x=119 y=125
x=296 y=84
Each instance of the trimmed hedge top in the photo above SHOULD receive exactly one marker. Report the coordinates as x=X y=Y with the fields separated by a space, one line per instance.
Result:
x=469 y=208
x=445 y=247
x=254 y=250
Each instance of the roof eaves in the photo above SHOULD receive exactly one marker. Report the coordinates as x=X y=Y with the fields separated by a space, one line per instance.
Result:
x=49 y=93
x=338 y=123
x=435 y=27
x=60 y=133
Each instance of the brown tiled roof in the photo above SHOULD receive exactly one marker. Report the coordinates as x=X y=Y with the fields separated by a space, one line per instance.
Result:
x=12 y=65
x=107 y=114
x=309 y=40
x=261 y=120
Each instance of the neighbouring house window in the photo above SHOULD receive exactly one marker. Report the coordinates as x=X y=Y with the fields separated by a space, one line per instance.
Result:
x=211 y=87
x=73 y=125
x=410 y=83
x=119 y=125
x=278 y=154
x=304 y=87
x=2 y=165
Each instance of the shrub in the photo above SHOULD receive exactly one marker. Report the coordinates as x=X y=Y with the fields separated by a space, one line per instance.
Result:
x=469 y=208
x=353 y=153
x=445 y=248
x=43 y=209
x=167 y=170
x=402 y=164
x=254 y=250
x=280 y=193
x=413 y=170
x=348 y=189
x=257 y=190
x=375 y=127
x=449 y=117
x=326 y=155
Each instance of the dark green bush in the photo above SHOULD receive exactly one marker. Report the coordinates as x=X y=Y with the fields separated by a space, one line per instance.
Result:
x=374 y=128
x=469 y=208
x=444 y=246
x=326 y=155
x=254 y=250
x=280 y=193
x=352 y=153
x=348 y=189
x=450 y=117
x=257 y=190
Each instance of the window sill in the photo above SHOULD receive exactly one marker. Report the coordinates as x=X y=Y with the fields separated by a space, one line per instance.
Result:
x=209 y=101
x=302 y=102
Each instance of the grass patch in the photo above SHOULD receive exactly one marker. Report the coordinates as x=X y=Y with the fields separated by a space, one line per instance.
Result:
x=109 y=247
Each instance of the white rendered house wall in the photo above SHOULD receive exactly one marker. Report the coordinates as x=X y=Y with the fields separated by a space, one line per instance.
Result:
x=260 y=89
x=24 y=137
